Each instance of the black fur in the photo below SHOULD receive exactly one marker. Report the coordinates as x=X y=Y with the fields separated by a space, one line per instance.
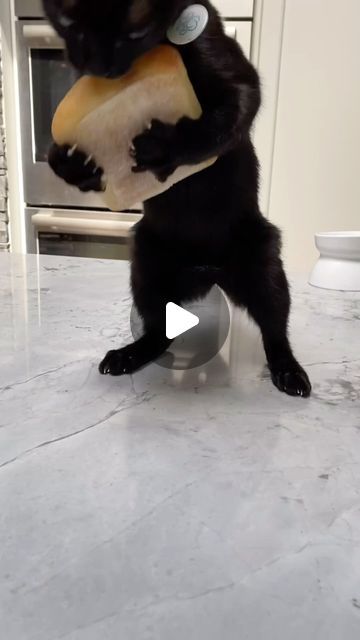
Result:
x=213 y=217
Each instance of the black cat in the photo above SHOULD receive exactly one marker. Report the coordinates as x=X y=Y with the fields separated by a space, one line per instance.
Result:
x=211 y=218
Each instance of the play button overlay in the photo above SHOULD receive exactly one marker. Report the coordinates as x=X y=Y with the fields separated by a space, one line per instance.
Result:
x=178 y=320
x=199 y=329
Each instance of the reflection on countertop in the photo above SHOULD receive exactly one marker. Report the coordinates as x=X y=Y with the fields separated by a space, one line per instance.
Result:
x=170 y=505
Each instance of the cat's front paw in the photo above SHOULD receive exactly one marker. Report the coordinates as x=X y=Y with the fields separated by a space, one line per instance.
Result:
x=156 y=150
x=75 y=167
x=119 y=362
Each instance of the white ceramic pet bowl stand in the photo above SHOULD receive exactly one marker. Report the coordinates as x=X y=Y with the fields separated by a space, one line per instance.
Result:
x=339 y=264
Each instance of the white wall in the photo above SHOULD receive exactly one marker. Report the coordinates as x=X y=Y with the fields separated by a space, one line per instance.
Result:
x=316 y=171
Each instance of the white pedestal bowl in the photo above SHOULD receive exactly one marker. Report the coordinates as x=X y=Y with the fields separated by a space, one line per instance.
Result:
x=339 y=264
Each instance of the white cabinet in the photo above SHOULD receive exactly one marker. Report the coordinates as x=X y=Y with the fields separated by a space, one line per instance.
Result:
x=235 y=8
x=241 y=31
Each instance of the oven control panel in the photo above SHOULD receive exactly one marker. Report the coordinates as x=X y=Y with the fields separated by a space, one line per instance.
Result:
x=243 y=9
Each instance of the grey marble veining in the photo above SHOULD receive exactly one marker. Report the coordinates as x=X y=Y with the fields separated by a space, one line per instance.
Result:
x=172 y=506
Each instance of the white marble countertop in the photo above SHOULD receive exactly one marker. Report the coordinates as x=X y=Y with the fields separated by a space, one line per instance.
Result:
x=168 y=506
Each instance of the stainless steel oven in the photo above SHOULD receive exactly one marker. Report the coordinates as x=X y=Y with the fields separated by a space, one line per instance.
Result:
x=52 y=207
x=54 y=211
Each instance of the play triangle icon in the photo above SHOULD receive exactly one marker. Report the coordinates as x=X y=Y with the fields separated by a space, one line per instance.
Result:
x=178 y=320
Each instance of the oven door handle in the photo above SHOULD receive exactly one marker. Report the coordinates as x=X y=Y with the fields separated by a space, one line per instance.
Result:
x=52 y=223
x=42 y=36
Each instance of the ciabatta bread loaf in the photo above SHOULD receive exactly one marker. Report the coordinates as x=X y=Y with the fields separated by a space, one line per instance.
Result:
x=102 y=116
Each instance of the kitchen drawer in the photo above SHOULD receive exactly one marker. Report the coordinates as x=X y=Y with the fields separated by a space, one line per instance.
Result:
x=241 y=31
x=235 y=8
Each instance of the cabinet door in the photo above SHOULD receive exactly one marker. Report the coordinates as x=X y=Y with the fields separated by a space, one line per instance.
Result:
x=235 y=8
x=241 y=31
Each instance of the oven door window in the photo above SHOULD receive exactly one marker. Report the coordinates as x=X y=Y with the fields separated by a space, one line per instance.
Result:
x=51 y=77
